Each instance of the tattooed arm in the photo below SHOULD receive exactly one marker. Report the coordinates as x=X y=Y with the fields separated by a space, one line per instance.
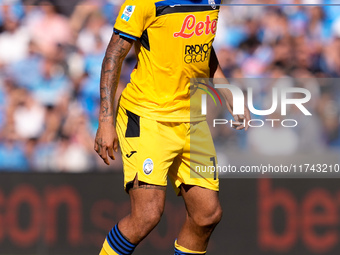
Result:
x=106 y=138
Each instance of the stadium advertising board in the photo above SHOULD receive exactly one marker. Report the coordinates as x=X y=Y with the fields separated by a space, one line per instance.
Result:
x=71 y=214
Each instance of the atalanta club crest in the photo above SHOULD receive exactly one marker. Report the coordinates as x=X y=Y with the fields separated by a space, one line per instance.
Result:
x=148 y=166
x=212 y=3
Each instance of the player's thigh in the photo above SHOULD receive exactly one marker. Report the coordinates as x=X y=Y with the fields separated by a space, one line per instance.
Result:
x=147 y=200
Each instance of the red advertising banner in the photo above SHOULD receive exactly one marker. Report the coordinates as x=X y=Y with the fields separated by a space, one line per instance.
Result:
x=72 y=213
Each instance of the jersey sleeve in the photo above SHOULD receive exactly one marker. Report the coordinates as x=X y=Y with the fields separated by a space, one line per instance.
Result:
x=134 y=17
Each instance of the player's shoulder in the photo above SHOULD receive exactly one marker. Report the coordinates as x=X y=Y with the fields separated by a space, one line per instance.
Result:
x=141 y=2
x=187 y=2
x=141 y=5
x=144 y=8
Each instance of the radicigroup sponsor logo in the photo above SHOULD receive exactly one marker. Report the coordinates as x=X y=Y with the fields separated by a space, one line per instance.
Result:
x=197 y=53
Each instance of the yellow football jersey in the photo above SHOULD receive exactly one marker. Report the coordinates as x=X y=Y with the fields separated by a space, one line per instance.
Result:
x=173 y=44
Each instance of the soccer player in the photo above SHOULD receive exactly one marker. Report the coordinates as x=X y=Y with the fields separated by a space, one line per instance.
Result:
x=154 y=126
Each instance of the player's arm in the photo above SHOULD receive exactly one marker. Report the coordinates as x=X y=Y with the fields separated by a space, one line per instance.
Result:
x=106 y=138
x=217 y=73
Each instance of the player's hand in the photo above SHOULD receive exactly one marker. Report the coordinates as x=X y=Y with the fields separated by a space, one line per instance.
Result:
x=106 y=142
x=242 y=121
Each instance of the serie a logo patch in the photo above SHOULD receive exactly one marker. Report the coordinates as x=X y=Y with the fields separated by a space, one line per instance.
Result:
x=128 y=11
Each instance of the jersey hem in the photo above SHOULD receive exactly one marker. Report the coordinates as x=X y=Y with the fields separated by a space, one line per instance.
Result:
x=159 y=117
x=118 y=31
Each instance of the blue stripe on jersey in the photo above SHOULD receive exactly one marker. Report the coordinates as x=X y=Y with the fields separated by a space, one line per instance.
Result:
x=117 y=32
x=185 y=2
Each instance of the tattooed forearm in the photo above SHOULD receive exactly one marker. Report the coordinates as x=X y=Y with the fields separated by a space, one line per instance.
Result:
x=111 y=67
x=105 y=109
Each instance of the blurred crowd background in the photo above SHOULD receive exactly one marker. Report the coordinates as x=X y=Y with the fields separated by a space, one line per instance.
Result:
x=50 y=61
